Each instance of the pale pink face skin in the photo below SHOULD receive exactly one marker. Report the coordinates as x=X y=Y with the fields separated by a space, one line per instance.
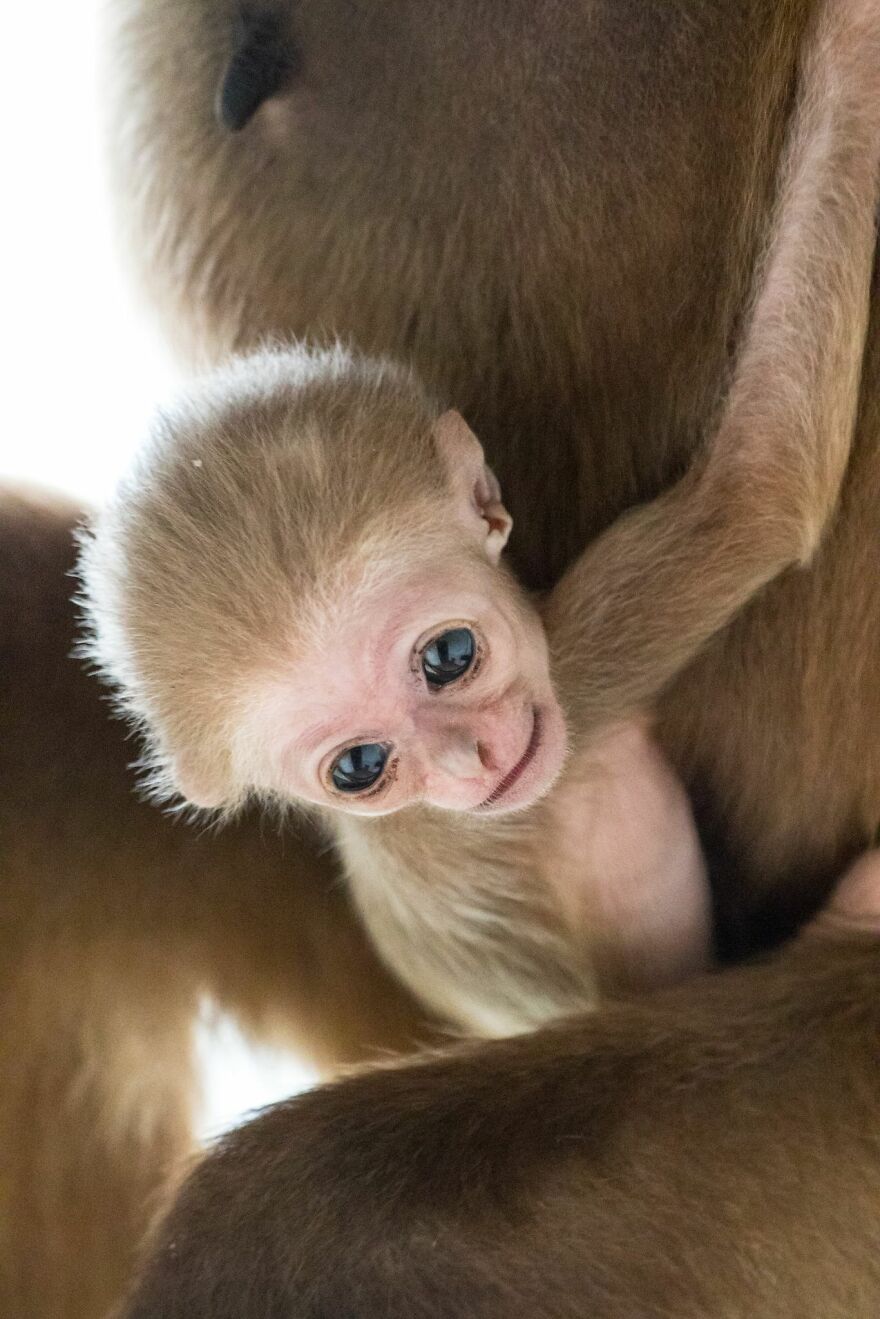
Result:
x=492 y=741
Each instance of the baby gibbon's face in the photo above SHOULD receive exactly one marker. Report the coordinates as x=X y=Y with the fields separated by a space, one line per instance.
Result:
x=436 y=691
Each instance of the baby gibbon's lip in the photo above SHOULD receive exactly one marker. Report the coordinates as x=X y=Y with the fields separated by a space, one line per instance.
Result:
x=524 y=761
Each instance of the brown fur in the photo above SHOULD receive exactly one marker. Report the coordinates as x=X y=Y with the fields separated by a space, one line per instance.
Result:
x=115 y=921
x=288 y=476
x=598 y=295
x=681 y=1159
x=439 y=1148
x=264 y=500
x=631 y=612
x=256 y=498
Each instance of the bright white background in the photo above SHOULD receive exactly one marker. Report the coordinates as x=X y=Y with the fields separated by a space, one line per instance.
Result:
x=82 y=364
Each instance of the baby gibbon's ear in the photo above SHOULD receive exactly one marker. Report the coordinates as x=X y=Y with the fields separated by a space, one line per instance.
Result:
x=473 y=481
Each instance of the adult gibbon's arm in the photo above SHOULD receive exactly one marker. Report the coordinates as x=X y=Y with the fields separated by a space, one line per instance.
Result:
x=664 y=578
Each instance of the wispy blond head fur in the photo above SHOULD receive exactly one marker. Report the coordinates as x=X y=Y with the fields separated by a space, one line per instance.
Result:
x=277 y=485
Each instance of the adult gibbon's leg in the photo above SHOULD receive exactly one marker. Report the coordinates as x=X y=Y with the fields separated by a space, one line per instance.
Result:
x=682 y=1156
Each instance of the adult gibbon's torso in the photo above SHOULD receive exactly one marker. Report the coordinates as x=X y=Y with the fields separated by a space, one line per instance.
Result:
x=554 y=210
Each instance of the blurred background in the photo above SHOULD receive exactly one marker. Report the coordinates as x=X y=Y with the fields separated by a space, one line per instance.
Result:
x=84 y=364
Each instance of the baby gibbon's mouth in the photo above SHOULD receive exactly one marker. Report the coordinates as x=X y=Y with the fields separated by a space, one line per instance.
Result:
x=524 y=761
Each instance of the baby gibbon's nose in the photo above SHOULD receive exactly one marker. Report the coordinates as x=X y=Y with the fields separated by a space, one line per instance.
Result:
x=456 y=752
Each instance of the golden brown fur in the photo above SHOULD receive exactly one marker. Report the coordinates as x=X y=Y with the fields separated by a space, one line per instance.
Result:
x=266 y=500
x=599 y=295
x=290 y=477
x=631 y=612
x=212 y=560
x=682 y=1159
x=116 y=920
x=584 y=298
x=463 y=1215
x=268 y=505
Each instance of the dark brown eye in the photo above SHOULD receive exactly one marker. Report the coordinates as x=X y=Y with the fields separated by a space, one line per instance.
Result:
x=449 y=656
x=359 y=767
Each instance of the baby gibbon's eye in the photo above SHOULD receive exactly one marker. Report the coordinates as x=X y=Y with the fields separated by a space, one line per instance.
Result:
x=449 y=656
x=359 y=767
